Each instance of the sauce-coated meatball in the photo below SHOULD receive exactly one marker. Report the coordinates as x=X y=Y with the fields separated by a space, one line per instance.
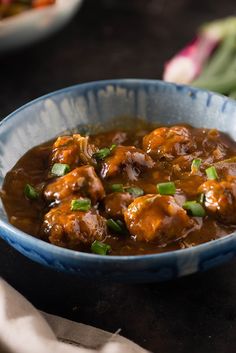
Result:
x=157 y=218
x=81 y=181
x=128 y=159
x=72 y=229
x=220 y=199
x=168 y=142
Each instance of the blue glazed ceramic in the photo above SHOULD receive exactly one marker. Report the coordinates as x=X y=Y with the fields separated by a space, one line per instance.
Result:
x=165 y=103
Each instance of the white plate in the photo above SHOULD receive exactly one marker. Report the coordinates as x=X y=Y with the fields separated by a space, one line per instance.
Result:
x=35 y=24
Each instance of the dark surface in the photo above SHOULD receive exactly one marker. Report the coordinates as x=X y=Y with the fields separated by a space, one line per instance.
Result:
x=114 y=39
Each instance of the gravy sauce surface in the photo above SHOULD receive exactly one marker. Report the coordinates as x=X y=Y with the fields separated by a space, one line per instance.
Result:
x=105 y=188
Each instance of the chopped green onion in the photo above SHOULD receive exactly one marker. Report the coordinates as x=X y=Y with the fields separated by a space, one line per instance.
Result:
x=196 y=164
x=83 y=205
x=112 y=147
x=195 y=208
x=116 y=226
x=30 y=192
x=104 y=152
x=166 y=188
x=201 y=198
x=212 y=173
x=135 y=191
x=100 y=248
x=60 y=169
x=117 y=187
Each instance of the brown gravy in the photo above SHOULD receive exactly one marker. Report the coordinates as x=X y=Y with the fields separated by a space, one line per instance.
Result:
x=140 y=158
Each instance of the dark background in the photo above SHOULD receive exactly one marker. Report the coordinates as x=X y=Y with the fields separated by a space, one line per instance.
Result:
x=117 y=39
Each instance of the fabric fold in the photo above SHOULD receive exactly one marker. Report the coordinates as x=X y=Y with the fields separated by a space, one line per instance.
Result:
x=24 y=329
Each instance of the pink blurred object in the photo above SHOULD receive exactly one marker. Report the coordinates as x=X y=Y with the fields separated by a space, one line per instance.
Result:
x=187 y=64
x=5 y=2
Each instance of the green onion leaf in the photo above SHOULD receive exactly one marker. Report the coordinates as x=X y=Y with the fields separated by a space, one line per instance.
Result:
x=60 y=169
x=30 y=192
x=135 y=191
x=83 y=205
x=166 y=188
x=212 y=173
x=117 y=188
x=112 y=147
x=116 y=226
x=100 y=248
x=104 y=152
x=195 y=165
x=195 y=208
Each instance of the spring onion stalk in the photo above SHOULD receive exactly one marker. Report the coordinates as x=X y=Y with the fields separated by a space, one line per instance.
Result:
x=212 y=173
x=233 y=94
x=104 y=152
x=166 y=188
x=60 y=169
x=115 y=226
x=135 y=191
x=195 y=165
x=117 y=187
x=83 y=205
x=100 y=248
x=194 y=208
x=188 y=64
x=219 y=62
x=30 y=192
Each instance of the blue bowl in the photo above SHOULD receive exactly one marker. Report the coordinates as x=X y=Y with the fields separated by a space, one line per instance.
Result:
x=94 y=102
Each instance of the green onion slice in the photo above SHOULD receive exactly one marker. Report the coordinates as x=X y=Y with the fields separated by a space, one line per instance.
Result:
x=195 y=208
x=100 y=248
x=117 y=188
x=60 y=169
x=112 y=147
x=104 y=152
x=166 y=188
x=116 y=226
x=196 y=164
x=211 y=173
x=135 y=191
x=83 y=205
x=30 y=192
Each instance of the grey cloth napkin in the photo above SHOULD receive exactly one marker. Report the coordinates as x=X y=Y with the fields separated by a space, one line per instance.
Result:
x=23 y=329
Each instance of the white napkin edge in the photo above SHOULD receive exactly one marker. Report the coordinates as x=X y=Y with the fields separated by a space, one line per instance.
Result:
x=23 y=329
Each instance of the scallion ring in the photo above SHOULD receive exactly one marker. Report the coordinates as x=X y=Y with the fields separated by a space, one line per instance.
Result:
x=166 y=188
x=83 y=205
x=195 y=208
x=100 y=248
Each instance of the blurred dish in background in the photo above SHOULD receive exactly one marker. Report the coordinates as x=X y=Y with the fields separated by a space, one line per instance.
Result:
x=15 y=7
x=35 y=23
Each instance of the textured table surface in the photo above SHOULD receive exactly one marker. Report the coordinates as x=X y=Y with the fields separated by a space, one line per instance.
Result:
x=115 y=39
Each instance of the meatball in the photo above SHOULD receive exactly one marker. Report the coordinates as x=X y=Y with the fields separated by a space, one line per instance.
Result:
x=65 y=150
x=167 y=142
x=73 y=229
x=116 y=203
x=129 y=159
x=81 y=181
x=220 y=199
x=73 y=150
x=157 y=218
